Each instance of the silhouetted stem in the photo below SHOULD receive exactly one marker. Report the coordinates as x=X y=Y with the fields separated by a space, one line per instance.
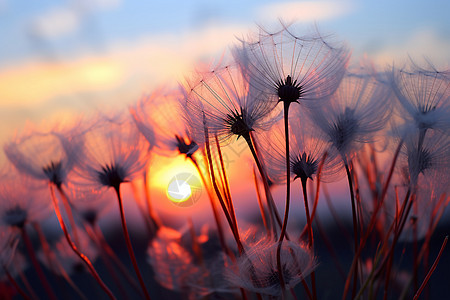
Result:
x=260 y=204
x=433 y=267
x=310 y=231
x=148 y=201
x=49 y=255
x=273 y=212
x=232 y=225
x=288 y=194
x=83 y=257
x=355 y=226
x=37 y=266
x=213 y=207
x=128 y=242
x=16 y=286
x=68 y=209
x=123 y=270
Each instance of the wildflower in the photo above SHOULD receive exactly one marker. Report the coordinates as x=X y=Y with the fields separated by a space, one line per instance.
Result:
x=427 y=155
x=292 y=68
x=257 y=270
x=307 y=148
x=113 y=152
x=423 y=95
x=42 y=155
x=21 y=202
x=232 y=107
x=356 y=112
x=170 y=260
x=158 y=117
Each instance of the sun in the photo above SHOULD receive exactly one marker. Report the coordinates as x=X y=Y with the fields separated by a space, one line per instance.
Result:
x=179 y=190
x=177 y=178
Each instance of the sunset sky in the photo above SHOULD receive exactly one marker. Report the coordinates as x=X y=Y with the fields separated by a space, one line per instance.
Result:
x=61 y=58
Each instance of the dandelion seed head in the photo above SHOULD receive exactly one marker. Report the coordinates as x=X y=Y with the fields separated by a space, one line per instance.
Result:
x=54 y=172
x=289 y=91
x=186 y=147
x=111 y=175
x=226 y=100
x=292 y=68
x=423 y=96
x=22 y=200
x=15 y=216
x=257 y=270
x=304 y=166
x=343 y=130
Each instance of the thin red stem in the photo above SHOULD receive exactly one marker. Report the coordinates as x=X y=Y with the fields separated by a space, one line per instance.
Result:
x=433 y=267
x=128 y=242
x=16 y=285
x=37 y=266
x=83 y=257
x=288 y=193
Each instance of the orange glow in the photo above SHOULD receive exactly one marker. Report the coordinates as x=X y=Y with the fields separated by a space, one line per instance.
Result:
x=35 y=83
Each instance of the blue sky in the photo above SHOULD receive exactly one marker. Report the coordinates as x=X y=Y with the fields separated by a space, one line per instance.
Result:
x=69 y=57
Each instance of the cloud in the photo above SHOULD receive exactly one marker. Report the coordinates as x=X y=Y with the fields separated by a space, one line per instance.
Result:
x=62 y=20
x=55 y=23
x=305 y=11
x=32 y=84
x=424 y=43
x=134 y=67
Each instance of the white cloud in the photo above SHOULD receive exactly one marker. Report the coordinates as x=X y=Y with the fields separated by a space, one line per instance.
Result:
x=305 y=11
x=55 y=23
x=424 y=43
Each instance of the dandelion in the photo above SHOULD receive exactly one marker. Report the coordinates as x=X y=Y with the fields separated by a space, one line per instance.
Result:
x=22 y=201
x=232 y=107
x=428 y=156
x=10 y=257
x=114 y=152
x=171 y=260
x=42 y=155
x=423 y=95
x=21 y=204
x=225 y=103
x=293 y=69
x=257 y=271
x=357 y=111
x=308 y=149
x=158 y=117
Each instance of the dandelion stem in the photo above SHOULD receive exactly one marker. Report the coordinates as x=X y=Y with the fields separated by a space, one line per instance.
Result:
x=34 y=261
x=260 y=204
x=66 y=203
x=83 y=257
x=156 y=221
x=123 y=270
x=128 y=242
x=355 y=225
x=270 y=203
x=16 y=285
x=433 y=267
x=310 y=231
x=90 y=231
x=288 y=196
x=232 y=225
x=213 y=207
x=49 y=254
